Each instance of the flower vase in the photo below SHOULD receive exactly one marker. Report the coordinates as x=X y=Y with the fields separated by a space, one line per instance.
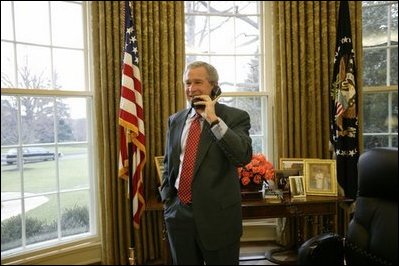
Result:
x=251 y=187
x=251 y=191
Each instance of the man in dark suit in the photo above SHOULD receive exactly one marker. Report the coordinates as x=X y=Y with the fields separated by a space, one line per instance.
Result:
x=206 y=228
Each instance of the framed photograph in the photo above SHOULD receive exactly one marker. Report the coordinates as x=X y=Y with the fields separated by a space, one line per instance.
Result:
x=297 y=186
x=159 y=166
x=281 y=179
x=292 y=163
x=320 y=177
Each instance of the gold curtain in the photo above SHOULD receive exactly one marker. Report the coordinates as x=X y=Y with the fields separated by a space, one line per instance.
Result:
x=160 y=33
x=304 y=45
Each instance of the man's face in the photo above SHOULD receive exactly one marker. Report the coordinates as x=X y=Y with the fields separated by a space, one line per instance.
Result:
x=196 y=83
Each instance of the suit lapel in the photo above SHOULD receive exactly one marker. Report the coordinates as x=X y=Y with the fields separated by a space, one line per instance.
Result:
x=176 y=136
x=205 y=141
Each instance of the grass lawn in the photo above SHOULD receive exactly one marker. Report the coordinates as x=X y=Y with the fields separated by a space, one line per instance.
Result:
x=41 y=178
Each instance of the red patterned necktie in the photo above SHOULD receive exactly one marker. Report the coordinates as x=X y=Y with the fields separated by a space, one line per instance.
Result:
x=190 y=155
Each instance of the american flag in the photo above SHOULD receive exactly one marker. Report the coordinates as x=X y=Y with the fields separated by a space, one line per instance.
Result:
x=344 y=105
x=132 y=155
x=339 y=109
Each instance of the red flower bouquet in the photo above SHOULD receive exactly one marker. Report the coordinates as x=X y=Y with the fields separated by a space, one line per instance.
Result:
x=257 y=171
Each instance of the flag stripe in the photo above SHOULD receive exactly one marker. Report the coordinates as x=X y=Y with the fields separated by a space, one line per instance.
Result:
x=123 y=154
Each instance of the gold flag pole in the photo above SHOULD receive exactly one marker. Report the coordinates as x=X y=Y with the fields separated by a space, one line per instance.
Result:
x=132 y=253
x=132 y=256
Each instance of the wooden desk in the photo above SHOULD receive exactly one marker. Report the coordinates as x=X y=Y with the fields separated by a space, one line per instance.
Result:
x=310 y=216
x=294 y=207
x=153 y=204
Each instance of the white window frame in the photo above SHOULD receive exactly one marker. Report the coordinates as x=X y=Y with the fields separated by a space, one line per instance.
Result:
x=81 y=248
x=266 y=80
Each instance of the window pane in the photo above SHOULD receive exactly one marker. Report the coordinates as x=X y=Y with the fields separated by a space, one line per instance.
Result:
x=66 y=34
x=247 y=73
x=225 y=66
x=395 y=141
x=394 y=23
x=222 y=35
x=6 y=18
x=74 y=167
x=7 y=65
x=9 y=128
x=258 y=142
x=217 y=7
x=247 y=35
x=39 y=169
x=32 y=15
x=11 y=205
x=11 y=224
x=197 y=34
x=234 y=34
x=394 y=66
x=37 y=115
x=375 y=112
x=69 y=69
x=375 y=67
x=247 y=7
x=394 y=118
x=375 y=30
x=196 y=6
x=72 y=119
x=375 y=141
x=254 y=106
x=75 y=213
x=41 y=218
x=10 y=176
x=34 y=67
x=236 y=73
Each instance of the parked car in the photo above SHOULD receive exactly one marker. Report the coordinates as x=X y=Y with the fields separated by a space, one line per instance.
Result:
x=31 y=154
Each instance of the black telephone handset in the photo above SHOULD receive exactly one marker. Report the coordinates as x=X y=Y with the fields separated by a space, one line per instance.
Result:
x=216 y=91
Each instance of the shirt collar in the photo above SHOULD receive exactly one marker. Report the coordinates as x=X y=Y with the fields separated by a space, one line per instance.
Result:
x=192 y=113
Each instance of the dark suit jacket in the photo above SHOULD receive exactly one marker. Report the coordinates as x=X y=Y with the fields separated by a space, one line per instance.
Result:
x=216 y=197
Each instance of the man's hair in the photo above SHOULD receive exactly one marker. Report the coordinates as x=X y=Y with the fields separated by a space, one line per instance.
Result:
x=213 y=76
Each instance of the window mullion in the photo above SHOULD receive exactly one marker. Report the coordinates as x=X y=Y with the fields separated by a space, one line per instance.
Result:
x=20 y=166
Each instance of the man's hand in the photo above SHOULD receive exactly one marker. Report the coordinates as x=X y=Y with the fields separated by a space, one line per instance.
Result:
x=207 y=109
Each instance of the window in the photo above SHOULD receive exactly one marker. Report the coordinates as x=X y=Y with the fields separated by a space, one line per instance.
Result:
x=47 y=188
x=380 y=73
x=229 y=35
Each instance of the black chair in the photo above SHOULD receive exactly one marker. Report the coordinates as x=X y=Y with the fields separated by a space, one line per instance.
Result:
x=372 y=237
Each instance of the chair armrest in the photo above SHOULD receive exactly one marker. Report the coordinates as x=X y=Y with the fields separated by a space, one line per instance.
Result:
x=323 y=249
